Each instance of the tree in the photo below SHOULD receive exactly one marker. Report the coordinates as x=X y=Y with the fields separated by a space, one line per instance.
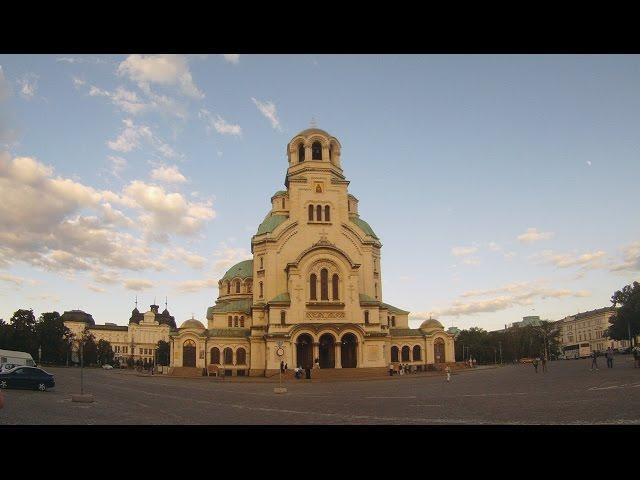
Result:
x=51 y=335
x=548 y=333
x=626 y=321
x=88 y=341
x=163 y=352
x=104 y=352
x=24 y=338
x=6 y=336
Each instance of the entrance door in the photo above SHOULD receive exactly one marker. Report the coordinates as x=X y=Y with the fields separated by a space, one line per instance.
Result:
x=438 y=351
x=349 y=351
x=189 y=354
x=304 y=351
x=327 y=351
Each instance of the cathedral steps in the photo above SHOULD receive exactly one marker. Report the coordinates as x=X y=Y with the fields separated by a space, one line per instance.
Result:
x=189 y=372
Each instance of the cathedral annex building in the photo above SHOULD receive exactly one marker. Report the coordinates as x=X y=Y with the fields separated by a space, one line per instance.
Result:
x=313 y=290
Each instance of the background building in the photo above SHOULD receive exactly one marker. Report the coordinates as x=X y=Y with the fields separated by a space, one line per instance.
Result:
x=589 y=330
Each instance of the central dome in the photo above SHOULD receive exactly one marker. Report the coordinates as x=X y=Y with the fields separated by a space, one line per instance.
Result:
x=192 y=323
x=242 y=270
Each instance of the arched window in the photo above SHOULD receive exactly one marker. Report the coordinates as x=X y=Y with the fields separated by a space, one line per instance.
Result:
x=235 y=321
x=249 y=285
x=334 y=287
x=311 y=213
x=394 y=354
x=366 y=317
x=261 y=263
x=230 y=321
x=283 y=317
x=324 y=284
x=228 y=356
x=330 y=152
x=313 y=280
x=242 y=321
x=316 y=151
x=417 y=353
x=228 y=288
x=241 y=356
x=237 y=286
x=283 y=203
x=215 y=355
x=327 y=213
x=319 y=213
x=301 y=153
x=405 y=354
x=393 y=321
x=261 y=290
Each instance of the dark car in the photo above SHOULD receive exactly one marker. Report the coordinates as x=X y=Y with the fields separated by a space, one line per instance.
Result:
x=27 y=377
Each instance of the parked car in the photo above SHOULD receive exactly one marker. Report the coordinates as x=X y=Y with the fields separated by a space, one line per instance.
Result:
x=26 y=377
x=107 y=367
x=527 y=360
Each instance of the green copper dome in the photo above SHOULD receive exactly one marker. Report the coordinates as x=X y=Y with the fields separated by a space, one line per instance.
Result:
x=364 y=226
x=243 y=270
x=270 y=223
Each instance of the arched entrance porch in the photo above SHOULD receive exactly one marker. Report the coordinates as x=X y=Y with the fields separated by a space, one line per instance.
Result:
x=327 y=351
x=438 y=351
x=349 y=351
x=189 y=353
x=304 y=351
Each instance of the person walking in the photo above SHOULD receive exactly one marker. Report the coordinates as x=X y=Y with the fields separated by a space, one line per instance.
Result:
x=535 y=364
x=636 y=356
x=594 y=360
x=448 y=370
x=609 y=357
x=281 y=366
x=391 y=369
x=544 y=364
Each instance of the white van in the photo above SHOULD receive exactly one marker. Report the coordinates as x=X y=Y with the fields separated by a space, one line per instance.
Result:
x=11 y=358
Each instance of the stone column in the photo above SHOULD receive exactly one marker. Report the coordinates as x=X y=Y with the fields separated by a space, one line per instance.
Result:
x=338 y=355
x=316 y=350
x=307 y=152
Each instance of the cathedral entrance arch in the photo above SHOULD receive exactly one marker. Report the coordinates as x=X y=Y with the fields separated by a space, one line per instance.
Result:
x=349 y=351
x=189 y=353
x=304 y=351
x=438 y=350
x=327 y=351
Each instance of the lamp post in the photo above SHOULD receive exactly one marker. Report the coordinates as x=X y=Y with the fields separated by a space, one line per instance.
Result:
x=39 y=355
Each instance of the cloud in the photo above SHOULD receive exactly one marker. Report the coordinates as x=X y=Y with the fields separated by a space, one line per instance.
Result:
x=167 y=70
x=588 y=261
x=228 y=256
x=137 y=284
x=532 y=235
x=17 y=281
x=168 y=174
x=117 y=165
x=232 y=58
x=462 y=251
x=132 y=137
x=631 y=255
x=190 y=258
x=218 y=124
x=517 y=294
x=78 y=82
x=268 y=109
x=5 y=88
x=191 y=286
x=589 y=162
x=96 y=288
x=74 y=60
x=494 y=247
x=28 y=85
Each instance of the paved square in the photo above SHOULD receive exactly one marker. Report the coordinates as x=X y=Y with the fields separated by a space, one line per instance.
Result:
x=569 y=393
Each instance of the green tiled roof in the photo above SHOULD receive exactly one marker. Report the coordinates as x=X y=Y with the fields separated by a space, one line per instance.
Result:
x=282 y=298
x=243 y=269
x=228 y=306
x=229 y=332
x=270 y=223
x=393 y=309
x=367 y=299
x=405 y=332
x=278 y=193
x=364 y=226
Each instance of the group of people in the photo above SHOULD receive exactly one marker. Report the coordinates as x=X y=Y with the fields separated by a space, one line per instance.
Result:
x=608 y=355
x=298 y=371
x=401 y=369
x=540 y=361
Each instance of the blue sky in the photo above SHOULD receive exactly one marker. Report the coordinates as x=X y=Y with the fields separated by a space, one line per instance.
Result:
x=500 y=185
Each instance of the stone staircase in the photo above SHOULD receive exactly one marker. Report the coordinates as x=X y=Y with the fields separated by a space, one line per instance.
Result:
x=329 y=374
x=185 y=372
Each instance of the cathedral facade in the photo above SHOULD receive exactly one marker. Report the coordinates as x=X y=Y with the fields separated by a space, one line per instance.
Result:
x=312 y=294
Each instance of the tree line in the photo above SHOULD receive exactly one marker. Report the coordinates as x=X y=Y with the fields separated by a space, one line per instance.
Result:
x=57 y=343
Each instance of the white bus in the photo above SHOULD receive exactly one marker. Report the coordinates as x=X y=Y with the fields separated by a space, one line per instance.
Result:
x=578 y=350
x=10 y=357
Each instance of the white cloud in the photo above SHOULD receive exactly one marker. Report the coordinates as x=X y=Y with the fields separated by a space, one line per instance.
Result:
x=168 y=70
x=589 y=260
x=191 y=286
x=589 y=162
x=5 y=89
x=190 y=258
x=218 y=124
x=137 y=284
x=28 y=85
x=228 y=256
x=532 y=235
x=118 y=164
x=166 y=174
x=268 y=109
x=78 y=82
x=133 y=135
x=96 y=288
x=631 y=255
x=17 y=281
x=73 y=60
x=494 y=247
x=232 y=58
x=462 y=251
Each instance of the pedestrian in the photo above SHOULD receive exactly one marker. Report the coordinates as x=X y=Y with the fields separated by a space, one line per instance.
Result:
x=544 y=364
x=286 y=367
x=308 y=372
x=636 y=356
x=448 y=370
x=609 y=357
x=594 y=360
x=281 y=366
x=391 y=369
x=535 y=364
x=401 y=369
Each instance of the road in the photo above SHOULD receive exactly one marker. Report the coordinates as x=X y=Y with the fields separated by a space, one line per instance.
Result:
x=569 y=393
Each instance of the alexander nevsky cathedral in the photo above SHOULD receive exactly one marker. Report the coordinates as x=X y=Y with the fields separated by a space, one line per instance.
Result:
x=313 y=291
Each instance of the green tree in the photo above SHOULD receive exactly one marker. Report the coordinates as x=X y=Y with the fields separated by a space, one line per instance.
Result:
x=626 y=320
x=6 y=336
x=24 y=338
x=162 y=353
x=51 y=334
x=88 y=341
x=104 y=352
x=548 y=333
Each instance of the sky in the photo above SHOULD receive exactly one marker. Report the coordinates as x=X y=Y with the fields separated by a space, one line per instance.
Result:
x=500 y=186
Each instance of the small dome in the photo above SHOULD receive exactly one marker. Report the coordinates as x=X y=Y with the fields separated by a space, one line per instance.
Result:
x=431 y=324
x=242 y=270
x=311 y=131
x=78 y=316
x=192 y=323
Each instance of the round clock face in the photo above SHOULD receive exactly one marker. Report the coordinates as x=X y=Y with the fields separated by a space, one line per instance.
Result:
x=280 y=352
